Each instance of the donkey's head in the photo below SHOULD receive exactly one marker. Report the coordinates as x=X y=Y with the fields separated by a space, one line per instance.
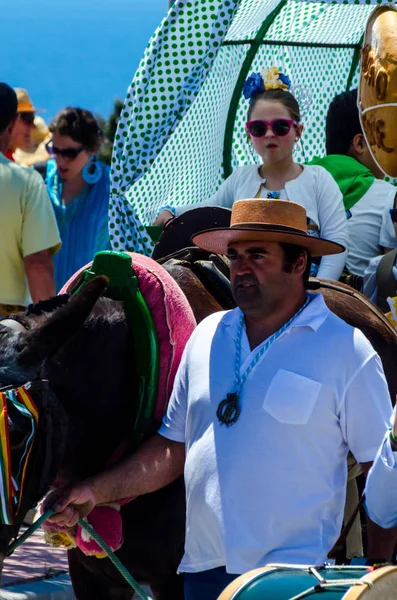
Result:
x=26 y=342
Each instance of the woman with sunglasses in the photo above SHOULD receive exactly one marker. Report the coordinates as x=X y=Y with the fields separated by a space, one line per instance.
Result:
x=78 y=185
x=273 y=128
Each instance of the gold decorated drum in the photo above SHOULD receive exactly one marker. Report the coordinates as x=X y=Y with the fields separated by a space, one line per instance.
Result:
x=377 y=94
x=294 y=582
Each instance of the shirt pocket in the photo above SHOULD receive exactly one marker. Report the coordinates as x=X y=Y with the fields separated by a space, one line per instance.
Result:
x=290 y=397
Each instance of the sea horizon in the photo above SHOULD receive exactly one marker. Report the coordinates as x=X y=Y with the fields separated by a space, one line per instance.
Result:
x=75 y=52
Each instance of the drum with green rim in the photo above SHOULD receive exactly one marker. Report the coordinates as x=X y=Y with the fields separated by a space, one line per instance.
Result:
x=289 y=582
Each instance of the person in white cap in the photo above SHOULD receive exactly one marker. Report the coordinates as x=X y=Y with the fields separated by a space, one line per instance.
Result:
x=268 y=400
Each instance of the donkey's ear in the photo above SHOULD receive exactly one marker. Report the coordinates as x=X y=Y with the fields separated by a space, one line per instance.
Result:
x=45 y=341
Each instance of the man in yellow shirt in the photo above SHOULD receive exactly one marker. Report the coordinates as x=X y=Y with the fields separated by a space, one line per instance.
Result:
x=28 y=231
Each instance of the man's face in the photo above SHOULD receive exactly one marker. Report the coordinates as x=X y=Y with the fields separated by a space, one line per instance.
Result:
x=362 y=153
x=22 y=132
x=370 y=163
x=258 y=276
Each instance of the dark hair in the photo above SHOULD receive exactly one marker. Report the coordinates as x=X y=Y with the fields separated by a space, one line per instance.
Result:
x=277 y=95
x=291 y=255
x=80 y=125
x=342 y=123
x=8 y=106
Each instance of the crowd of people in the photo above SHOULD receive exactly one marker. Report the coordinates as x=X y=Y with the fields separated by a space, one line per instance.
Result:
x=54 y=198
x=298 y=412
x=344 y=193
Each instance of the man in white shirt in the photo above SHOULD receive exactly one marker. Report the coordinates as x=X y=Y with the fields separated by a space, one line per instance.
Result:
x=371 y=229
x=267 y=402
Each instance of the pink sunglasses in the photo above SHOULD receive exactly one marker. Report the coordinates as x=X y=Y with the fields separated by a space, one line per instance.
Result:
x=280 y=127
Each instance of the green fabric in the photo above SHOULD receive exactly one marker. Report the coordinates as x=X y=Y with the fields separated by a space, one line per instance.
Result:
x=353 y=179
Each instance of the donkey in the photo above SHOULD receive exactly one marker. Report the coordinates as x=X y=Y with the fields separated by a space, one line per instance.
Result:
x=83 y=349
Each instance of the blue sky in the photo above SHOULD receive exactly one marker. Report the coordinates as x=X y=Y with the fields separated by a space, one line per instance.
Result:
x=75 y=52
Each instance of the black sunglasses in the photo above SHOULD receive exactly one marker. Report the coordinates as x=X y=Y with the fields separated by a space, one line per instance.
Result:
x=70 y=153
x=27 y=117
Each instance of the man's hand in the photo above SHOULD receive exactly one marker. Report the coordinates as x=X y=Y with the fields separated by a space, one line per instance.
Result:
x=70 y=504
x=163 y=217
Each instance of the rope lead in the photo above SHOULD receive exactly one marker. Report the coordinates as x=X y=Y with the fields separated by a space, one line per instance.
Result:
x=111 y=555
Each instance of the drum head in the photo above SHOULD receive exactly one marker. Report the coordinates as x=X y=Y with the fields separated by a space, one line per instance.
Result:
x=240 y=582
x=283 y=582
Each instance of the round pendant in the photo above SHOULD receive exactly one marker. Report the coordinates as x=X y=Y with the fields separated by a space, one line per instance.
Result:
x=228 y=410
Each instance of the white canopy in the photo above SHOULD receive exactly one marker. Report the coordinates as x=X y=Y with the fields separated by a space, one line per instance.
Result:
x=181 y=130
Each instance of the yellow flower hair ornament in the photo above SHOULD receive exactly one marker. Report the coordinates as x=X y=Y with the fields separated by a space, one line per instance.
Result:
x=273 y=79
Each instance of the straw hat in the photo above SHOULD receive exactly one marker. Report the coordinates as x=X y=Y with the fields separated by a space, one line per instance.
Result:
x=266 y=221
x=24 y=102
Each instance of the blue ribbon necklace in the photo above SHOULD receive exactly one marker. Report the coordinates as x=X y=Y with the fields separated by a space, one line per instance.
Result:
x=229 y=410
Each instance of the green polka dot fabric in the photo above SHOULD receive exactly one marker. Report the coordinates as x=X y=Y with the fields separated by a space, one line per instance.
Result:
x=178 y=135
x=175 y=65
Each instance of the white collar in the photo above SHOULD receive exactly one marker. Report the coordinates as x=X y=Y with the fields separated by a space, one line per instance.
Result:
x=313 y=316
x=255 y=169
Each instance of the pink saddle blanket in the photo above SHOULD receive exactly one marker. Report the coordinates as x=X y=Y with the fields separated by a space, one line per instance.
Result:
x=172 y=316
x=174 y=322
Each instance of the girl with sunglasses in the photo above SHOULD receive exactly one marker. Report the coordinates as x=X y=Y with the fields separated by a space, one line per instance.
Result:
x=78 y=185
x=273 y=128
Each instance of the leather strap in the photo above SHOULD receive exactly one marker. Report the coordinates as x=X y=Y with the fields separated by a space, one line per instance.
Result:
x=338 y=547
x=316 y=284
x=212 y=270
